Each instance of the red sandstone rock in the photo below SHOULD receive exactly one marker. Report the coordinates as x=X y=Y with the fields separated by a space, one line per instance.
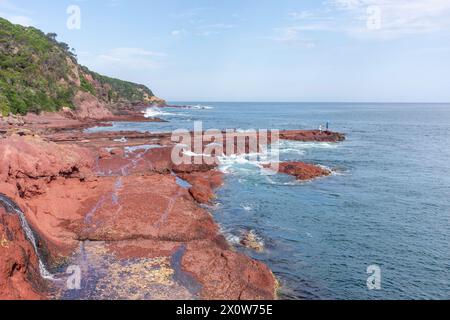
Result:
x=30 y=163
x=312 y=136
x=139 y=138
x=31 y=169
x=19 y=271
x=90 y=107
x=140 y=160
x=56 y=214
x=227 y=275
x=151 y=207
x=302 y=171
x=250 y=240
x=203 y=184
x=138 y=211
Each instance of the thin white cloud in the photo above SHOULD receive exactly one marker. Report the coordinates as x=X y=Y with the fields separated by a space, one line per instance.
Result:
x=15 y=14
x=179 y=32
x=397 y=17
x=197 y=22
x=218 y=26
x=134 y=58
x=200 y=28
x=193 y=12
x=22 y=20
x=9 y=6
x=292 y=36
x=309 y=15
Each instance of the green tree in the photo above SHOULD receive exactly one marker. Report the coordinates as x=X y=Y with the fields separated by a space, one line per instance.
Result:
x=4 y=106
x=37 y=74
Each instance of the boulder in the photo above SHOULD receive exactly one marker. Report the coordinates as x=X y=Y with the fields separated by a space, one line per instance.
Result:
x=302 y=171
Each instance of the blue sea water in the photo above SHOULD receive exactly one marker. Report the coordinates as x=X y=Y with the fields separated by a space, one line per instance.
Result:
x=388 y=203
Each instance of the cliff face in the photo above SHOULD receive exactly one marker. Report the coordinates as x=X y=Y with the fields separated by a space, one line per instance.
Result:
x=38 y=73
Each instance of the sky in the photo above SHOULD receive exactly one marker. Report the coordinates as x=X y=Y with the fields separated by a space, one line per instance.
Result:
x=258 y=50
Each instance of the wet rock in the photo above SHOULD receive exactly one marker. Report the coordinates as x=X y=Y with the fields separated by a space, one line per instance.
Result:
x=115 y=161
x=57 y=214
x=19 y=266
x=151 y=207
x=201 y=166
x=110 y=275
x=203 y=184
x=302 y=171
x=110 y=153
x=228 y=275
x=158 y=160
x=312 y=136
x=251 y=240
x=42 y=177
x=153 y=158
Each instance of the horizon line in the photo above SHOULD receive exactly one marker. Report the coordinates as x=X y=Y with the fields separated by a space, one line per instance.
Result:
x=303 y=102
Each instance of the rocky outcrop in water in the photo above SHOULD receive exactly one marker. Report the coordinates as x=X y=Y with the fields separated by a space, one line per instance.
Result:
x=312 y=136
x=302 y=171
x=251 y=240
x=203 y=184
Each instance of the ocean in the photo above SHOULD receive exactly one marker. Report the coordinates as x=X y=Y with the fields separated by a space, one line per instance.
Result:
x=386 y=205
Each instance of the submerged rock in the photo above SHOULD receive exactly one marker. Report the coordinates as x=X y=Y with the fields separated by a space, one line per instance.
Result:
x=251 y=240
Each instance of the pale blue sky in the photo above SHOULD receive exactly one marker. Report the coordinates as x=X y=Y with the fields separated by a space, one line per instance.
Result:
x=260 y=50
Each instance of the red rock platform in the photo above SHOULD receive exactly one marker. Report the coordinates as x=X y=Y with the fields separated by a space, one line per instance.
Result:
x=112 y=204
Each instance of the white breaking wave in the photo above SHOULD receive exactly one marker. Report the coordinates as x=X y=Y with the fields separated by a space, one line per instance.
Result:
x=154 y=112
x=334 y=172
x=144 y=147
x=300 y=148
x=200 y=107
x=234 y=163
x=292 y=182
x=236 y=240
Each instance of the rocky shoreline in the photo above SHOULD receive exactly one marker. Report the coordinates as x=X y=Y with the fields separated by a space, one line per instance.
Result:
x=115 y=206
